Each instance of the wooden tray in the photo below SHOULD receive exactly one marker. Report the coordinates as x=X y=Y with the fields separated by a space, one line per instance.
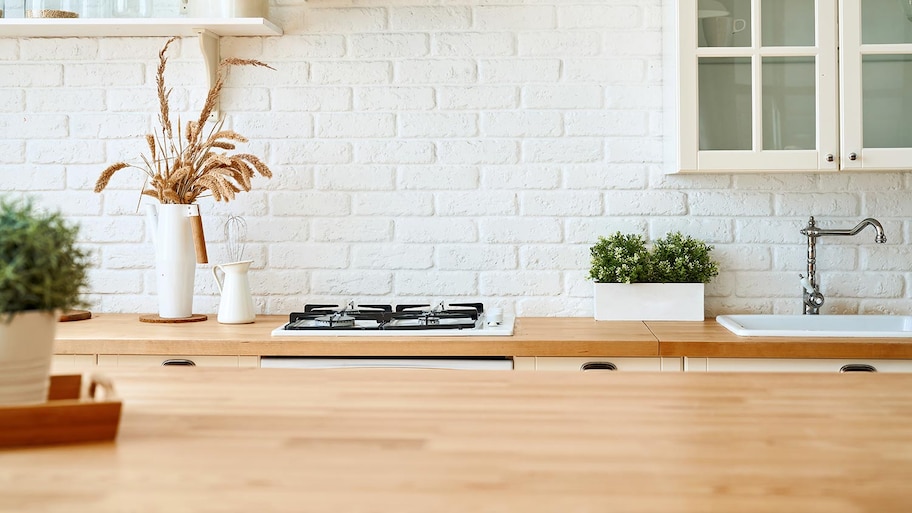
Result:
x=69 y=416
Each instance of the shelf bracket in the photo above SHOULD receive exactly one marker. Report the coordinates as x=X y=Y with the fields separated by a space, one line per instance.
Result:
x=209 y=46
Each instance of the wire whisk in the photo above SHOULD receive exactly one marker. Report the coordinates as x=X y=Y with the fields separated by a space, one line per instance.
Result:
x=235 y=235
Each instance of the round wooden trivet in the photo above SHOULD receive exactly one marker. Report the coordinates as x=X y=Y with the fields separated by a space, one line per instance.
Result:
x=155 y=318
x=75 y=315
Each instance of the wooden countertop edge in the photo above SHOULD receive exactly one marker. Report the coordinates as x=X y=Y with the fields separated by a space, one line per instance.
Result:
x=709 y=339
x=358 y=348
x=533 y=336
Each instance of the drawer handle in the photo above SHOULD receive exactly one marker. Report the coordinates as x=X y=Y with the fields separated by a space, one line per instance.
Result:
x=588 y=366
x=181 y=362
x=857 y=367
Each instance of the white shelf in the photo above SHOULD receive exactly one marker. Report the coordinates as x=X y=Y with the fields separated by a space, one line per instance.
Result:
x=208 y=30
x=135 y=27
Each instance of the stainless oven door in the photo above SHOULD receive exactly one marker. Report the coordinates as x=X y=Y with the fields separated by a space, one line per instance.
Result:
x=321 y=362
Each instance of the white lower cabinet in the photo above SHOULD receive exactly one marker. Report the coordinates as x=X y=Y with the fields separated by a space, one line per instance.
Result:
x=523 y=363
x=61 y=363
x=648 y=364
x=795 y=365
x=136 y=360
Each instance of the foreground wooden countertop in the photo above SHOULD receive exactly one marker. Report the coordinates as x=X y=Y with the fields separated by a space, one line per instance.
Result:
x=533 y=336
x=394 y=440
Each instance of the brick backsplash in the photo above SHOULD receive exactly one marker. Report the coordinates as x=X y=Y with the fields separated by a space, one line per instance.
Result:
x=458 y=150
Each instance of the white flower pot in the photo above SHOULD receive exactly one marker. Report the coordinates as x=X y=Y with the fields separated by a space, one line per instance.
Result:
x=649 y=301
x=26 y=349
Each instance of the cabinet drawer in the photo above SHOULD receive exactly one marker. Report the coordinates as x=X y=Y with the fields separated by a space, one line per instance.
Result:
x=67 y=362
x=649 y=364
x=134 y=360
x=795 y=365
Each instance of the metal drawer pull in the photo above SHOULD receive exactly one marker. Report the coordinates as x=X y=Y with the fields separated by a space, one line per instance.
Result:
x=598 y=366
x=179 y=362
x=830 y=157
x=853 y=156
x=857 y=367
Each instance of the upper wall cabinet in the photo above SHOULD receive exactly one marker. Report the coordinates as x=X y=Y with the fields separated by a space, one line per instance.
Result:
x=788 y=85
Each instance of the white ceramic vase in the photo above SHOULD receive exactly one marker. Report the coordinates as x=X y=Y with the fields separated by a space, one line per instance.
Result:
x=26 y=349
x=175 y=258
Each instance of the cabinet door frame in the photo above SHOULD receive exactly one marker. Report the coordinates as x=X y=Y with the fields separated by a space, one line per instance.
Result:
x=682 y=109
x=851 y=53
x=830 y=365
x=623 y=363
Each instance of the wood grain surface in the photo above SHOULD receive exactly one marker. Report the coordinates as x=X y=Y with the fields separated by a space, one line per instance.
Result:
x=124 y=334
x=533 y=336
x=711 y=339
x=392 y=440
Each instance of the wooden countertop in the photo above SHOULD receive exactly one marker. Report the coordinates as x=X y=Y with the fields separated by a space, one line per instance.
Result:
x=533 y=336
x=394 y=440
x=711 y=339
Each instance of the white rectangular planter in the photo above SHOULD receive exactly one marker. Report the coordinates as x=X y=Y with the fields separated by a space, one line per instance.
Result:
x=649 y=301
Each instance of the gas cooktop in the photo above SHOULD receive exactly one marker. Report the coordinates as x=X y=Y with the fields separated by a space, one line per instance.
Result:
x=422 y=320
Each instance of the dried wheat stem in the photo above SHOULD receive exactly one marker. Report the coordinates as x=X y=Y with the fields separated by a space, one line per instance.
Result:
x=107 y=174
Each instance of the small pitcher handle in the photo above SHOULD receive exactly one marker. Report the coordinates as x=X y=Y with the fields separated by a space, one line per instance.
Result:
x=218 y=281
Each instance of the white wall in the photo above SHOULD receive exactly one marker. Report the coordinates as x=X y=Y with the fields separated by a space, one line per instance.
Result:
x=452 y=149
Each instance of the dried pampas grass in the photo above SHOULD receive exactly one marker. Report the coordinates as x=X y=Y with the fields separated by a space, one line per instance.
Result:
x=183 y=166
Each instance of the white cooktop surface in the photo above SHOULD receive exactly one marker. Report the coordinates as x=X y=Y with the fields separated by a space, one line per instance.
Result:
x=505 y=328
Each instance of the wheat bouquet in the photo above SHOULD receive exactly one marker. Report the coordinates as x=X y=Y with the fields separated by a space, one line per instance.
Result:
x=183 y=166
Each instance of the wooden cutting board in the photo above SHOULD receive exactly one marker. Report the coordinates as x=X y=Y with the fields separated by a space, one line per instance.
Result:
x=75 y=315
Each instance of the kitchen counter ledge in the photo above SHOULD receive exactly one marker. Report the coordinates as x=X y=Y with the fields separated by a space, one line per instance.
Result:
x=533 y=336
x=709 y=339
x=385 y=440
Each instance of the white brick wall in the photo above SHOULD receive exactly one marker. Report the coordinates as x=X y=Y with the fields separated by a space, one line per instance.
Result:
x=472 y=150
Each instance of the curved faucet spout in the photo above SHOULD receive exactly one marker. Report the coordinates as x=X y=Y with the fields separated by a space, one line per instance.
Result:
x=812 y=230
x=879 y=237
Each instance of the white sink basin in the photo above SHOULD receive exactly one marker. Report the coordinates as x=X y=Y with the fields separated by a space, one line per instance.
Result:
x=818 y=325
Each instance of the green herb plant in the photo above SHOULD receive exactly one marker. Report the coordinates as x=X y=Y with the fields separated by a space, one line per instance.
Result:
x=676 y=258
x=41 y=267
x=620 y=259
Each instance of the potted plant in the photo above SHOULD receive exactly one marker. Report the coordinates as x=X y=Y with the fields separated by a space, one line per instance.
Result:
x=665 y=282
x=185 y=162
x=42 y=272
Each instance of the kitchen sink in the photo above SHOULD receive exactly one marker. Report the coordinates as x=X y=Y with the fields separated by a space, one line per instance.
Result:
x=759 y=325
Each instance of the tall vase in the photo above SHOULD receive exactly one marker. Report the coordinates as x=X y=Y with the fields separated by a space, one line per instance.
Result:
x=175 y=260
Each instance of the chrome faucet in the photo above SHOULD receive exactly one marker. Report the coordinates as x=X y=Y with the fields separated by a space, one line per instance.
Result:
x=813 y=298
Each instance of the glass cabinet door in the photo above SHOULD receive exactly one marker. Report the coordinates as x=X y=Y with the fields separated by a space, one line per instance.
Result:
x=876 y=78
x=762 y=95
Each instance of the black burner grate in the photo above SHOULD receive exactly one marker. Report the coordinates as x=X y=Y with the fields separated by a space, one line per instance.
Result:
x=386 y=317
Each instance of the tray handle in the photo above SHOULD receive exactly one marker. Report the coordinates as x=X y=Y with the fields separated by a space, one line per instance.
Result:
x=100 y=388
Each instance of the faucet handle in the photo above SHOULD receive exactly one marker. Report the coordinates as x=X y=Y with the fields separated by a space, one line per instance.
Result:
x=807 y=284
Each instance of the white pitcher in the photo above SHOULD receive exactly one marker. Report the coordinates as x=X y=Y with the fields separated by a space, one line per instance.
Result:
x=175 y=257
x=236 y=305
